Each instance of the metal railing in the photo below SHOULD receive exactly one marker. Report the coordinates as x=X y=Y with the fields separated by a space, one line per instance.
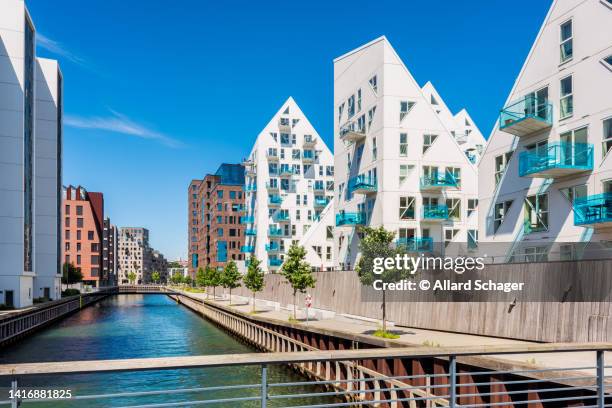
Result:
x=344 y=376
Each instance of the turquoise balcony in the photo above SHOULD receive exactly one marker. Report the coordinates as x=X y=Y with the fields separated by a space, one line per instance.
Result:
x=526 y=116
x=281 y=217
x=247 y=249
x=275 y=232
x=435 y=212
x=249 y=188
x=320 y=202
x=247 y=219
x=416 y=244
x=275 y=200
x=275 y=262
x=362 y=184
x=557 y=159
x=595 y=210
x=250 y=232
x=350 y=133
x=272 y=247
x=286 y=171
x=438 y=182
x=346 y=218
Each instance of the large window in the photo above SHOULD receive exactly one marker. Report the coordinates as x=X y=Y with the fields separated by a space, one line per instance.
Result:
x=536 y=213
x=472 y=206
x=374 y=84
x=607 y=136
x=567 y=50
x=403 y=145
x=406 y=208
x=501 y=209
x=404 y=171
x=571 y=193
x=405 y=107
x=454 y=173
x=566 y=103
x=428 y=140
x=501 y=163
x=28 y=147
x=351 y=106
x=454 y=208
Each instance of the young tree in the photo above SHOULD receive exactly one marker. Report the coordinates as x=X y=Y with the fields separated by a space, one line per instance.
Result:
x=297 y=272
x=215 y=279
x=230 y=278
x=378 y=243
x=131 y=277
x=71 y=274
x=155 y=276
x=200 y=278
x=254 y=278
x=187 y=280
x=177 y=278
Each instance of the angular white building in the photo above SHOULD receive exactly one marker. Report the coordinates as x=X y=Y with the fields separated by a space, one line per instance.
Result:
x=30 y=163
x=397 y=163
x=546 y=176
x=289 y=183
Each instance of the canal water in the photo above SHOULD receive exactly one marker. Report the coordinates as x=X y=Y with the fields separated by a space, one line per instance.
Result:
x=137 y=326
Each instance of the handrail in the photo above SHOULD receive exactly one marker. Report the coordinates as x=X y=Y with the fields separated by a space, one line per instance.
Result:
x=171 y=363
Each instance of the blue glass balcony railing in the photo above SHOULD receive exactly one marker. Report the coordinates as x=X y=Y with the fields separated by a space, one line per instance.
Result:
x=275 y=232
x=438 y=181
x=362 y=184
x=320 y=202
x=287 y=171
x=435 y=212
x=346 y=218
x=556 y=158
x=275 y=200
x=593 y=210
x=272 y=246
x=250 y=232
x=526 y=116
x=280 y=216
x=416 y=244
x=275 y=262
x=247 y=219
x=247 y=249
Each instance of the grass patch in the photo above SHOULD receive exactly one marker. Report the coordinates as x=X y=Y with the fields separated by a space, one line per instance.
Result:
x=292 y=320
x=385 y=334
x=431 y=343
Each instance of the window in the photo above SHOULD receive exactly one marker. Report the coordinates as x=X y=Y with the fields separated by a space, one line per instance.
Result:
x=571 y=193
x=220 y=194
x=295 y=154
x=607 y=61
x=403 y=145
x=536 y=213
x=536 y=254
x=374 y=149
x=78 y=235
x=428 y=140
x=328 y=253
x=501 y=164
x=340 y=110
x=359 y=100
x=351 y=106
x=374 y=84
x=95 y=247
x=454 y=173
x=607 y=136
x=79 y=223
x=219 y=232
x=566 y=41
x=472 y=239
x=232 y=195
x=67 y=222
x=566 y=102
x=404 y=170
x=67 y=234
x=472 y=206
x=454 y=208
x=371 y=113
x=433 y=100
x=78 y=259
x=95 y=259
x=406 y=208
x=329 y=232
x=449 y=235
x=79 y=210
x=405 y=107
x=284 y=139
x=501 y=209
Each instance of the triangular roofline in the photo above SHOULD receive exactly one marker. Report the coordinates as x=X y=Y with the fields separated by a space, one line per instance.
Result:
x=366 y=45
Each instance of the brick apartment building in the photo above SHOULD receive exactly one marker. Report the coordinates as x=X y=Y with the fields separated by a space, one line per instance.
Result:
x=215 y=206
x=83 y=233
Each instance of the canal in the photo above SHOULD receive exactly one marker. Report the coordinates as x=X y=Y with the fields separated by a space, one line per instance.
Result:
x=137 y=326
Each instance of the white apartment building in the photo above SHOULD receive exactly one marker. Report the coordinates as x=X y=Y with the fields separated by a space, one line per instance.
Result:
x=461 y=125
x=546 y=175
x=134 y=255
x=30 y=163
x=289 y=182
x=397 y=163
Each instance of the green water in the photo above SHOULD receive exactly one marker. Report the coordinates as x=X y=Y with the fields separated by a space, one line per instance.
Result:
x=137 y=326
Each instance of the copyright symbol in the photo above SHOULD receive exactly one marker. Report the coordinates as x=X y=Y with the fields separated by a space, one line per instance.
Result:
x=424 y=285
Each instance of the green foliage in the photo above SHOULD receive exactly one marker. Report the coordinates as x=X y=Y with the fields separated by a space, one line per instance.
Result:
x=187 y=280
x=254 y=278
x=132 y=277
x=385 y=334
x=177 y=279
x=71 y=274
x=155 y=277
x=378 y=243
x=174 y=264
x=71 y=292
x=214 y=277
x=200 y=278
x=297 y=271
x=231 y=276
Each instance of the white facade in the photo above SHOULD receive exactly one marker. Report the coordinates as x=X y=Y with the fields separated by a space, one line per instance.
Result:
x=134 y=255
x=319 y=241
x=289 y=182
x=548 y=161
x=397 y=164
x=30 y=163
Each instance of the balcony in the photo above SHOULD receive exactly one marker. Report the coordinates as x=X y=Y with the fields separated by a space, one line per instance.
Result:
x=309 y=141
x=362 y=184
x=557 y=159
x=250 y=232
x=275 y=262
x=320 y=202
x=247 y=249
x=435 y=212
x=272 y=157
x=250 y=188
x=251 y=170
x=272 y=247
x=416 y=244
x=275 y=232
x=308 y=156
x=286 y=171
x=594 y=211
x=281 y=217
x=284 y=125
x=438 y=182
x=346 y=218
x=275 y=200
x=318 y=186
x=247 y=219
x=350 y=133
x=526 y=116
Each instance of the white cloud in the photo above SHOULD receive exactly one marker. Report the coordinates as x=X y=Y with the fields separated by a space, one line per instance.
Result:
x=57 y=48
x=119 y=123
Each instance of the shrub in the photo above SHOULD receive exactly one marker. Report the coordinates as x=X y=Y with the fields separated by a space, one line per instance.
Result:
x=70 y=292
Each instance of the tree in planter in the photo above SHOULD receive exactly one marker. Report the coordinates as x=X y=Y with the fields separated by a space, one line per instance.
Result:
x=297 y=272
x=231 y=278
x=214 y=279
x=131 y=277
x=378 y=243
x=254 y=278
x=71 y=274
x=155 y=277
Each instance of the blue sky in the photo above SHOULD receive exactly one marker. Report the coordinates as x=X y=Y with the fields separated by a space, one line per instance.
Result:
x=159 y=92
